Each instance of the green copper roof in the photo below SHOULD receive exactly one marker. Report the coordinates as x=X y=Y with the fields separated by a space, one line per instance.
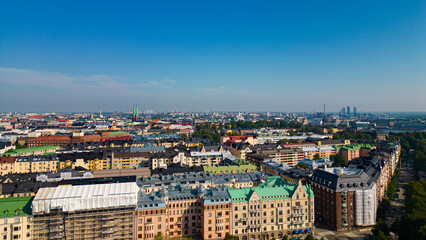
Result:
x=274 y=188
x=15 y=206
x=353 y=147
x=28 y=150
x=117 y=133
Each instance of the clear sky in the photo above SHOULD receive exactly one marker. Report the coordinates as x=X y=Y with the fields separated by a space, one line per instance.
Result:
x=212 y=55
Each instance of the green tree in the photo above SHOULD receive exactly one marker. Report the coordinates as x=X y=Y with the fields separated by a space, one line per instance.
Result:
x=317 y=157
x=309 y=237
x=159 y=236
x=380 y=236
x=285 y=237
x=380 y=228
x=338 y=161
x=413 y=220
x=230 y=237
x=19 y=146
x=184 y=136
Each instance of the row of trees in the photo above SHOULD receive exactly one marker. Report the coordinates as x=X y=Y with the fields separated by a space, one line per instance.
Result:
x=211 y=131
x=348 y=134
x=263 y=124
x=208 y=134
x=381 y=230
x=412 y=224
x=415 y=141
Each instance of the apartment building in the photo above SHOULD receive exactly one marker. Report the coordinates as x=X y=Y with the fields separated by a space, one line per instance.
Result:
x=98 y=160
x=15 y=218
x=194 y=180
x=98 y=211
x=353 y=151
x=37 y=164
x=216 y=213
x=30 y=164
x=239 y=149
x=250 y=139
x=188 y=157
x=345 y=198
x=291 y=157
x=324 y=152
x=7 y=165
x=174 y=212
x=35 y=139
x=271 y=210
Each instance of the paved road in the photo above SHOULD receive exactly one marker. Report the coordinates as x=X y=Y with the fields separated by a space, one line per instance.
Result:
x=323 y=231
x=397 y=201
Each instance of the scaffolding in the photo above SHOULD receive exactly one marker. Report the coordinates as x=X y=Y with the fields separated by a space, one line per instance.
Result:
x=106 y=223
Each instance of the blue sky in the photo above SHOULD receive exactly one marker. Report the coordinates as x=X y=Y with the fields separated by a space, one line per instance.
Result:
x=212 y=55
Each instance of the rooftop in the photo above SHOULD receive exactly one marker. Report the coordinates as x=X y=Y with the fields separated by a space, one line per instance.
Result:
x=274 y=188
x=84 y=197
x=28 y=150
x=15 y=206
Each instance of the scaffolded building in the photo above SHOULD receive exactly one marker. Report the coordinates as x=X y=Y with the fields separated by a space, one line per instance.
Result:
x=99 y=211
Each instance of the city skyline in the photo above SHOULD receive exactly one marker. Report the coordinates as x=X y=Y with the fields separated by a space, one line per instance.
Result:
x=278 y=57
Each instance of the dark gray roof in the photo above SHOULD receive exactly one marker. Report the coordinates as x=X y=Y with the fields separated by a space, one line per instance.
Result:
x=343 y=179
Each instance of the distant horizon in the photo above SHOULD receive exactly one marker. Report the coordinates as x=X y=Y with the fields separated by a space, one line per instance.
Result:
x=218 y=111
x=282 y=56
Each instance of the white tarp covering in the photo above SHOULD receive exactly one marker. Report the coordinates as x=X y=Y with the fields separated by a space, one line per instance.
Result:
x=74 y=198
x=365 y=206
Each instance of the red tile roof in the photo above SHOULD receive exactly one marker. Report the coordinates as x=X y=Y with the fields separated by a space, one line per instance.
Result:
x=7 y=159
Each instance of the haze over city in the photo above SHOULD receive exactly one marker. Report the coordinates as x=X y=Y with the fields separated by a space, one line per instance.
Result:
x=221 y=56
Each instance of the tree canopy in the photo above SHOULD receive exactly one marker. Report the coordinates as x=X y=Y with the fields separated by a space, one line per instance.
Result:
x=338 y=161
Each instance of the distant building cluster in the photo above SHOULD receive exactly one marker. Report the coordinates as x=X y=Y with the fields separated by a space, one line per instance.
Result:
x=346 y=111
